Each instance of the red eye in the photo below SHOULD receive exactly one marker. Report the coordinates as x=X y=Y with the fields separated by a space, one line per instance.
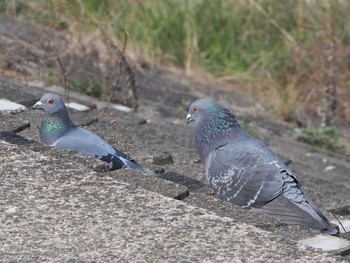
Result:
x=195 y=109
x=50 y=101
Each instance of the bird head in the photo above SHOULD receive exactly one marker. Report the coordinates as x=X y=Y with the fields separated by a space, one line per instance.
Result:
x=200 y=108
x=50 y=103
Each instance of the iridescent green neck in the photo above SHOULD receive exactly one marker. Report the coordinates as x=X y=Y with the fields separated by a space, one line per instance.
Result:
x=53 y=127
x=215 y=128
x=220 y=121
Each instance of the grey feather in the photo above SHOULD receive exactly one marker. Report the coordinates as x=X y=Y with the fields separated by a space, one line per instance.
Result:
x=244 y=171
x=57 y=130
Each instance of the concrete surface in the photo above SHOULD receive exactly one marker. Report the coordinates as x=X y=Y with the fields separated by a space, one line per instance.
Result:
x=56 y=208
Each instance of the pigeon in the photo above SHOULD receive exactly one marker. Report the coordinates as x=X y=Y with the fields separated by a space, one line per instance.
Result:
x=57 y=130
x=244 y=171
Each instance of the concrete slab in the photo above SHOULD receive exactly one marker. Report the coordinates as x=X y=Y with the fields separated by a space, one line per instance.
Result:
x=53 y=207
x=7 y=105
x=326 y=243
x=77 y=106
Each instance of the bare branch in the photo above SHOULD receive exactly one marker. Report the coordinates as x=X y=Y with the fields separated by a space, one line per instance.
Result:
x=66 y=87
x=21 y=128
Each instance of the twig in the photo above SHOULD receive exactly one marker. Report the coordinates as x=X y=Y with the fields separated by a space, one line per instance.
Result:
x=66 y=88
x=131 y=78
x=122 y=55
x=21 y=128
x=128 y=69
x=122 y=61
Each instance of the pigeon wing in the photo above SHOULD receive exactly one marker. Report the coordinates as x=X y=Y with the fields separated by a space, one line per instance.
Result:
x=244 y=178
x=255 y=178
x=85 y=142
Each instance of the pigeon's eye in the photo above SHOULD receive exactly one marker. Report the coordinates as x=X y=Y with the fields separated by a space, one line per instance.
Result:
x=50 y=101
x=195 y=109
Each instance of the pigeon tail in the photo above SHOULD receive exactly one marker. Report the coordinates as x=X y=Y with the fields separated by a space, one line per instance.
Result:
x=119 y=162
x=114 y=162
x=330 y=228
x=138 y=168
x=302 y=214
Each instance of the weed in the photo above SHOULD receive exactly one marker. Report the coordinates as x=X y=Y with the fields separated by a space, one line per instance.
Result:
x=325 y=137
x=89 y=87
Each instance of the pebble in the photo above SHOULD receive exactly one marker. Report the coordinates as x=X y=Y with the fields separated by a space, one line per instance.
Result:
x=163 y=158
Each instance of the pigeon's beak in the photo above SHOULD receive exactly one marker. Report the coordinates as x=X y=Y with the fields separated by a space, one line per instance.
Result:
x=189 y=118
x=37 y=105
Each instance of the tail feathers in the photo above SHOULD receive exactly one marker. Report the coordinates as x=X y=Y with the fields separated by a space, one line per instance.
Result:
x=302 y=214
x=117 y=162
x=138 y=168
x=331 y=229
x=114 y=162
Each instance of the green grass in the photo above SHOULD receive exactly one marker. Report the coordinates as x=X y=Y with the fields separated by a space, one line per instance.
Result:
x=89 y=87
x=281 y=45
x=327 y=138
x=224 y=36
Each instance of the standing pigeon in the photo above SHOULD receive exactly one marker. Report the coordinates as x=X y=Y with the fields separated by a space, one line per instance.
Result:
x=58 y=130
x=244 y=171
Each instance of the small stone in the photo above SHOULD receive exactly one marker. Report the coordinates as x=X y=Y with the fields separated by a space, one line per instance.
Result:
x=329 y=168
x=288 y=162
x=159 y=171
x=143 y=121
x=162 y=159
x=132 y=186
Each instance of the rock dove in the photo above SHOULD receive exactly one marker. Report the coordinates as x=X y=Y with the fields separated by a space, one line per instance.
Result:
x=58 y=130
x=244 y=171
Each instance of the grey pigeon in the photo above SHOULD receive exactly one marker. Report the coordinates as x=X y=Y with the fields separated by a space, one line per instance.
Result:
x=244 y=171
x=58 y=130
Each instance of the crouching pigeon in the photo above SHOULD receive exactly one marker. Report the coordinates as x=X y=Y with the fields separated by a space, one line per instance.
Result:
x=58 y=130
x=244 y=171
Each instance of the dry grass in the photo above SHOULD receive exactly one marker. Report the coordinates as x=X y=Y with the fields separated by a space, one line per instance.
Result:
x=284 y=53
